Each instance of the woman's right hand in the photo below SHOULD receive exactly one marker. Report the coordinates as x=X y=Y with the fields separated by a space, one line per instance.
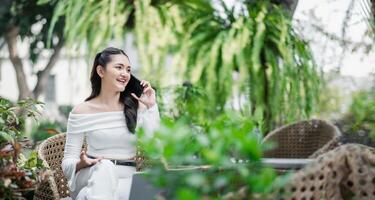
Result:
x=86 y=161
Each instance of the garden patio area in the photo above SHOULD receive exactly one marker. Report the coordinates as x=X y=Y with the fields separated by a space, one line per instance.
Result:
x=270 y=99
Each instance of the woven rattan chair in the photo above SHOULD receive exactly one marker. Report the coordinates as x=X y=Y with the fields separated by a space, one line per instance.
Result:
x=51 y=151
x=303 y=139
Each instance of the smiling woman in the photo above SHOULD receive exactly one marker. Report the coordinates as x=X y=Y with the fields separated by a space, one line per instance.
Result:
x=108 y=118
x=117 y=71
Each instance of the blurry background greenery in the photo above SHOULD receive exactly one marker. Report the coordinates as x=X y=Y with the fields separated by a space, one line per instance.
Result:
x=227 y=148
x=224 y=78
x=46 y=129
x=253 y=54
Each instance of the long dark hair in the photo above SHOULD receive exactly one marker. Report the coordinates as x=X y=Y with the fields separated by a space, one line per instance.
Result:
x=133 y=86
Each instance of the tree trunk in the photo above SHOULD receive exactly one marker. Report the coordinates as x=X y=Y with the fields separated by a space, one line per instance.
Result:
x=11 y=40
x=43 y=74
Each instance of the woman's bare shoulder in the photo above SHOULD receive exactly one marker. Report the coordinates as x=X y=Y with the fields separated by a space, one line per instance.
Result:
x=86 y=107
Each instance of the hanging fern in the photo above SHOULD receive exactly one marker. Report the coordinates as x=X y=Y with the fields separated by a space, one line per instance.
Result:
x=190 y=40
x=276 y=71
x=93 y=23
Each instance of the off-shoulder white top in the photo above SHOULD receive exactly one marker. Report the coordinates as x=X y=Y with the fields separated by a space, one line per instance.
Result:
x=106 y=134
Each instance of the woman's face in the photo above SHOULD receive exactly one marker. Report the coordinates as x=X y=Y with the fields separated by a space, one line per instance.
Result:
x=117 y=72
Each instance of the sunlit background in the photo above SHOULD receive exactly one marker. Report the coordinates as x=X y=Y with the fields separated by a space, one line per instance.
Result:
x=227 y=74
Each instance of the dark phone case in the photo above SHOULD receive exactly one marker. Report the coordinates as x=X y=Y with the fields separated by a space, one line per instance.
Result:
x=136 y=86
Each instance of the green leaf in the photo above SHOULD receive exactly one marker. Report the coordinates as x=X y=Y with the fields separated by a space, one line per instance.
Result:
x=6 y=136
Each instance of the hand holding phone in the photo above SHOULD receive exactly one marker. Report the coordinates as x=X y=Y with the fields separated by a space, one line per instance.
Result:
x=144 y=93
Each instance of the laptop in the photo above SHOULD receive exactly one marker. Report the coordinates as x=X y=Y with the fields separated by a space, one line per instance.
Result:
x=142 y=188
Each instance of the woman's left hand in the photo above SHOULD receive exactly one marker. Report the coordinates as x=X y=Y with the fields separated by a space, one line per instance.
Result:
x=148 y=97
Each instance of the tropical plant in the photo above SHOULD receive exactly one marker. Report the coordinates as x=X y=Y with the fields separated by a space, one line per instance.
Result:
x=227 y=150
x=251 y=50
x=17 y=173
x=92 y=23
x=273 y=67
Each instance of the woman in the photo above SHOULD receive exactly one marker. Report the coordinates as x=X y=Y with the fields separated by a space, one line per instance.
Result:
x=107 y=119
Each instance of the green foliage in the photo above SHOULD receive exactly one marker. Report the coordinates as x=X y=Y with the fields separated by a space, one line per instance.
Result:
x=17 y=171
x=26 y=14
x=153 y=47
x=46 y=129
x=191 y=103
x=188 y=102
x=361 y=114
x=274 y=67
x=12 y=118
x=92 y=23
x=32 y=163
x=227 y=149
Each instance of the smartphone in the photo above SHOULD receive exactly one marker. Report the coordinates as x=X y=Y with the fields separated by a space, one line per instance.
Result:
x=134 y=86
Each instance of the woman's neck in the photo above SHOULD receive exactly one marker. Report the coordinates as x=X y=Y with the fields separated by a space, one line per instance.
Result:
x=109 y=100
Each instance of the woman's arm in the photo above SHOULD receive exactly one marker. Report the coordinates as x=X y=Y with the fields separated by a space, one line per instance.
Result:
x=73 y=147
x=149 y=119
x=148 y=112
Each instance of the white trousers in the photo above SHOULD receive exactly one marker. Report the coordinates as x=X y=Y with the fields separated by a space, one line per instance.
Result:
x=104 y=181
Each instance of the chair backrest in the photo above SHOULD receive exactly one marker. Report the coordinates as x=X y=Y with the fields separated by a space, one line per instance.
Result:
x=51 y=151
x=300 y=139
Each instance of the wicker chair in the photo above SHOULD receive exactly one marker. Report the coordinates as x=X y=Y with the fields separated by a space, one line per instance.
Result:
x=51 y=151
x=303 y=139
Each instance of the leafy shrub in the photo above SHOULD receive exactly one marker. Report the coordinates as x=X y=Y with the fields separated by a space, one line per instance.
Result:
x=17 y=173
x=361 y=115
x=227 y=148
